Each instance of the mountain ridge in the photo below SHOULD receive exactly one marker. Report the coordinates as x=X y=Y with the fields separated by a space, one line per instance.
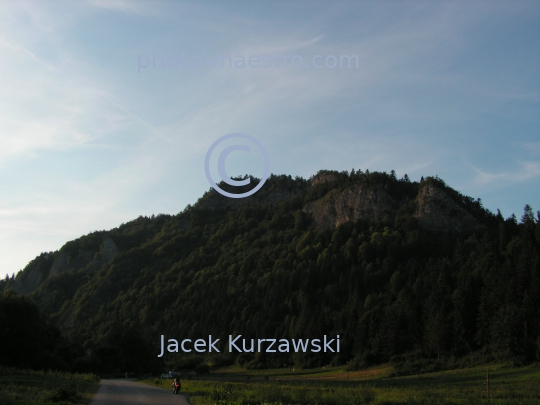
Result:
x=393 y=266
x=351 y=204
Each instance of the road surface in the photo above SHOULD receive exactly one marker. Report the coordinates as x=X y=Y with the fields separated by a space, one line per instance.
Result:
x=127 y=392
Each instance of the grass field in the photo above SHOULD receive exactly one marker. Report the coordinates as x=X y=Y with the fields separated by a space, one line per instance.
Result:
x=334 y=386
x=25 y=387
x=328 y=386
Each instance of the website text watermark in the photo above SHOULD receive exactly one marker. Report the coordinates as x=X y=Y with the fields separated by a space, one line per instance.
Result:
x=266 y=61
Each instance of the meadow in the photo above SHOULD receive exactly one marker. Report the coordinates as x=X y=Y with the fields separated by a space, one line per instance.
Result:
x=323 y=386
x=334 y=386
x=27 y=387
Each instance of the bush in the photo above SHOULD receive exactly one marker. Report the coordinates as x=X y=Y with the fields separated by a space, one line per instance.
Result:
x=202 y=368
x=189 y=362
x=244 y=358
x=67 y=393
x=415 y=363
x=221 y=360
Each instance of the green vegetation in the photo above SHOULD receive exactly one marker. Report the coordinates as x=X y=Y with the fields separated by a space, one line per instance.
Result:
x=27 y=340
x=337 y=386
x=395 y=291
x=26 y=387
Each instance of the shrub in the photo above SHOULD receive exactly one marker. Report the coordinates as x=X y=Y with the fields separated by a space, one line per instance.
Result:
x=66 y=393
x=202 y=368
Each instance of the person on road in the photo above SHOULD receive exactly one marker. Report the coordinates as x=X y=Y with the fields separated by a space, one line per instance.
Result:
x=176 y=385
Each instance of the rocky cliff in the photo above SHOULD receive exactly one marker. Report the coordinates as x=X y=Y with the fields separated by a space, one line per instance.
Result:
x=65 y=262
x=350 y=204
x=330 y=198
x=34 y=274
x=435 y=210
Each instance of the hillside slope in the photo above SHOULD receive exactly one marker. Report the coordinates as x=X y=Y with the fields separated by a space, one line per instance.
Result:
x=395 y=267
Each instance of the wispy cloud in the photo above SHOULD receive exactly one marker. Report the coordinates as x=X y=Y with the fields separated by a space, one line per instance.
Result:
x=86 y=142
x=526 y=171
x=531 y=147
x=120 y=5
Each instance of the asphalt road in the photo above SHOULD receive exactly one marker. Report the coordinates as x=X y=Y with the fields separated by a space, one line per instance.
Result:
x=126 y=392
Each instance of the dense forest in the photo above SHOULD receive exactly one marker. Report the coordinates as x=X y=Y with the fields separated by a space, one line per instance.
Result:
x=412 y=273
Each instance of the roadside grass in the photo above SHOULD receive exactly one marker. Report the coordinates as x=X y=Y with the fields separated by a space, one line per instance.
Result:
x=27 y=387
x=234 y=386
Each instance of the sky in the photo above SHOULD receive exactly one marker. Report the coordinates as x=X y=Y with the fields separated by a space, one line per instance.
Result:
x=108 y=107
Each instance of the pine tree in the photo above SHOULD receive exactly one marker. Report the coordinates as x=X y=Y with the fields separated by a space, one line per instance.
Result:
x=528 y=216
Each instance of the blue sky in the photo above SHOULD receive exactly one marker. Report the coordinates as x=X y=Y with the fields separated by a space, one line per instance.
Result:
x=89 y=140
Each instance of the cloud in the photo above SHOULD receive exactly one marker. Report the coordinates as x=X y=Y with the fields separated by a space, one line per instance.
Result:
x=86 y=142
x=526 y=171
x=47 y=107
x=531 y=147
x=118 y=5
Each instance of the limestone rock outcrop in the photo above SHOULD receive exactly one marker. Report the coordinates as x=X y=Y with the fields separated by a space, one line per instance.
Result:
x=436 y=211
x=350 y=204
x=84 y=260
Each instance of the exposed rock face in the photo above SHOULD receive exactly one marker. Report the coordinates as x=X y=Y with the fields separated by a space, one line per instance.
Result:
x=33 y=281
x=63 y=275
x=35 y=274
x=322 y=177
x=59 y=265
x=65 y=263
x=109 y=250
x=351 y=204
x=436 y=211
x=85 y=259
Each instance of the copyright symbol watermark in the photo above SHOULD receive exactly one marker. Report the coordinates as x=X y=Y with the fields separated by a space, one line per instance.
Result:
x=221 y=165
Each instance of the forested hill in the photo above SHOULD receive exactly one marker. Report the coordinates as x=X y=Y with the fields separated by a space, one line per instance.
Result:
x=403 y=271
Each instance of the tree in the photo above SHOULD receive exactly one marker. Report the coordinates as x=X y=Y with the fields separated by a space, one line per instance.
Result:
x=528 y=216
x=26 y=339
